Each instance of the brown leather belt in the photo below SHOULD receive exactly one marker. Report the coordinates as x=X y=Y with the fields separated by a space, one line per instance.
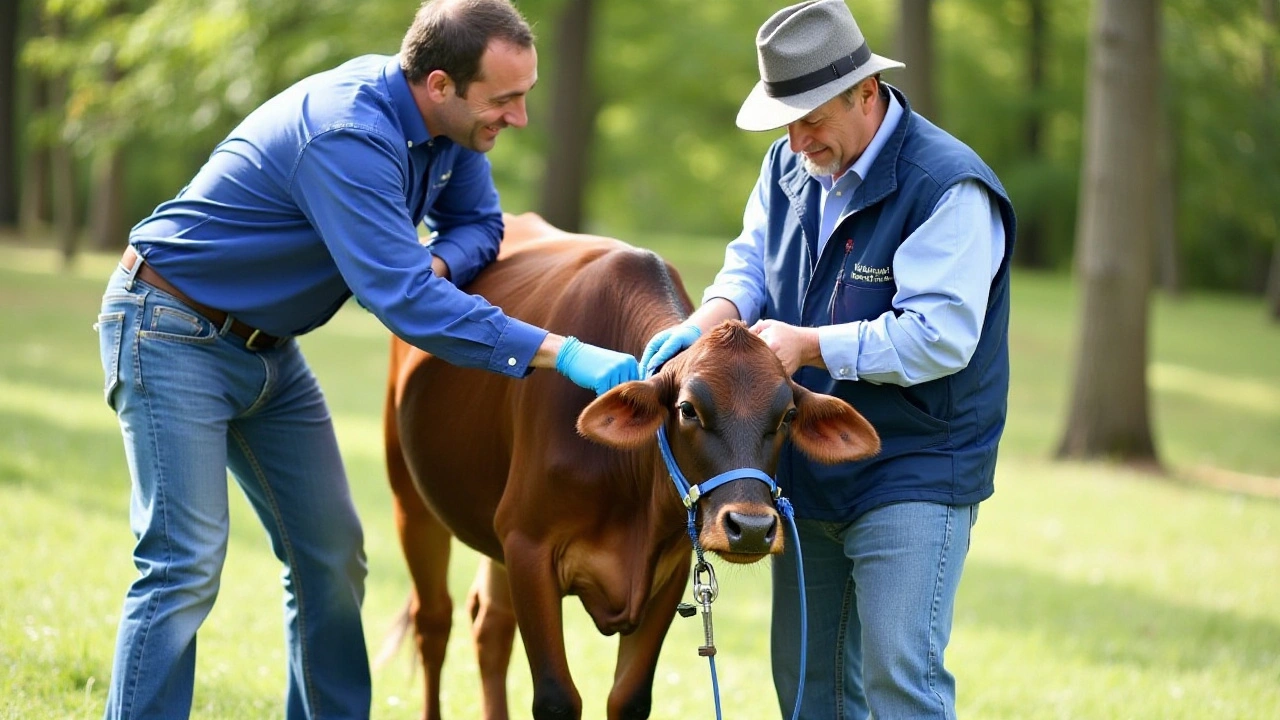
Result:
x=254 y=339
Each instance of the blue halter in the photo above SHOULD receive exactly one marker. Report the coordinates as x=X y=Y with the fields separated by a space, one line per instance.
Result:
x=689 y=495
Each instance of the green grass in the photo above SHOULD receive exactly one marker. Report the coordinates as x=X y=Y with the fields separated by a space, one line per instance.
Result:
x=1091 y=592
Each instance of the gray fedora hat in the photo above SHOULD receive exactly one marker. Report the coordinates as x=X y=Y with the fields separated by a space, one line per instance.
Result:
x=808 y=53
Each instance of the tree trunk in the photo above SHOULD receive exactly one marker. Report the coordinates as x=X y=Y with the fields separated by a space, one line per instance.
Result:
x=915 y=48
x=8 y=117
x=1273 y=285
x=572 y=120
x=1109 y=415
x=1271 y=16
x=63 y=169
x=108 y=229
x=1031 y=250
x=1168 y=266
x=36 y=201
x=62 y=161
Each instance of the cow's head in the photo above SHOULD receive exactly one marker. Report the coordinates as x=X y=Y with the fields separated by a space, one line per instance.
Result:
x=728 y=404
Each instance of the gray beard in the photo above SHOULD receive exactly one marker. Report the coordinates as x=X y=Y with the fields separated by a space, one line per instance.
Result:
x=819 y=170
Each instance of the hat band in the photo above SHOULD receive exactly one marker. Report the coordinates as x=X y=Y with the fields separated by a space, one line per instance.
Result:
x=819 y=77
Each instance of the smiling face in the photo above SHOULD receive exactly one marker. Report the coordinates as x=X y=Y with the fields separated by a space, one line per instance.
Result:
x=831 y=137
x=493 y=101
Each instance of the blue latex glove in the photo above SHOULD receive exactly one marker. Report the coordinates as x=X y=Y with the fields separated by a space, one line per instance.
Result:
x=666 y=344
x=595 y=368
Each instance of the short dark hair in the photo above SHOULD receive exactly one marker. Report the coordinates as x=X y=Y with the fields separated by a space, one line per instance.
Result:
x=451 y=35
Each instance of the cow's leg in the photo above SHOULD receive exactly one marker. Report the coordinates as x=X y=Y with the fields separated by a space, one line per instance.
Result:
x=538 y=613
x=632 y=692
x=426 y=548
x=426 y=545
x=493 y=628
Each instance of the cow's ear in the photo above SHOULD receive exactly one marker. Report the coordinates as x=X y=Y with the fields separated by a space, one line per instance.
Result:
x=626 y=417
x=828 y=430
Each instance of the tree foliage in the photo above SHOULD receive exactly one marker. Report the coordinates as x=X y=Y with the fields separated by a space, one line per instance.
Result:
x=666 y=80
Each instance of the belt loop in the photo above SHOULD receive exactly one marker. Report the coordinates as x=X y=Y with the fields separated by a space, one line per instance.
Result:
x=226 y=326
x=132 y=272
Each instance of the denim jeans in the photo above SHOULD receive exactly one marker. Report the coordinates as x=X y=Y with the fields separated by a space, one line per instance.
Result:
x=193 y=402
x=881 y=594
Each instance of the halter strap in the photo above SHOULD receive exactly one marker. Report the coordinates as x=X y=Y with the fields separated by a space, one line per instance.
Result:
x=689 y=493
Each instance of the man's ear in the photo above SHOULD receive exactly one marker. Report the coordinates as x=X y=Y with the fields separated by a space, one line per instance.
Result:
x=626 y=417
x=828 y=430
x=439 y=85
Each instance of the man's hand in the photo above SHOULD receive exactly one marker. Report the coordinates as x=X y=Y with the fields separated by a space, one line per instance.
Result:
x=665 y=344
x=595 y=368
x=794 y=346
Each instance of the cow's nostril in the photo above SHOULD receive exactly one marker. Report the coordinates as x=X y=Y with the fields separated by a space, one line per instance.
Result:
x=750 y=533
x=731 y=526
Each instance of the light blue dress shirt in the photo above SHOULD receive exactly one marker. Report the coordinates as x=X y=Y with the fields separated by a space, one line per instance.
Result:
x=943 y=272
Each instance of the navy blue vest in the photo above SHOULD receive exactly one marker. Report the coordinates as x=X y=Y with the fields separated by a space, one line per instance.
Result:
x=938 y=439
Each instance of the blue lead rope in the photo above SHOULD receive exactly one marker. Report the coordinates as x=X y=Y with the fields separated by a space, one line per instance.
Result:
x=788 y=512
x=689 y=495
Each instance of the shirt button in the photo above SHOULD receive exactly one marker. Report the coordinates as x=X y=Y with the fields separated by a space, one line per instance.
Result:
x=844 y=372
x=511 y=362
x=410 y=143
x=839 y=193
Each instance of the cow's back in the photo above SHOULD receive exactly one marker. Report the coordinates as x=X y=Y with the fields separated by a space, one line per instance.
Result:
x=460 y=428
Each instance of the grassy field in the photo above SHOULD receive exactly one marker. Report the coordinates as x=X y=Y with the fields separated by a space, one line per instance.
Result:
x=1091 y=592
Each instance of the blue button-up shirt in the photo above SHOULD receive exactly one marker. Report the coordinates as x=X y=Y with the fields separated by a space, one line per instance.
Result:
x=943 y=272
x=317 y=196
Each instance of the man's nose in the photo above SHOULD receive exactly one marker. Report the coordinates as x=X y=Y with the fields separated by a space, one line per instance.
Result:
x=798 y=138
x=518 y=115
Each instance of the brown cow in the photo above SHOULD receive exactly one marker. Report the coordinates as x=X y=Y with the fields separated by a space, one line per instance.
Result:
x=500 y=466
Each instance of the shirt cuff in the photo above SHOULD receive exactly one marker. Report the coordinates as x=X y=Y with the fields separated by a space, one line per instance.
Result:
x=740 y=297
x=452 y=255
x=839 y=345
x=515 y=348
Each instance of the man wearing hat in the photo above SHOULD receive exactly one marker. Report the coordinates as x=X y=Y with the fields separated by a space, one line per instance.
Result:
x=874 y=260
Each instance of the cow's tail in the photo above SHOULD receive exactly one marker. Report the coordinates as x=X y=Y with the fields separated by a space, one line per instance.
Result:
x=395 y=636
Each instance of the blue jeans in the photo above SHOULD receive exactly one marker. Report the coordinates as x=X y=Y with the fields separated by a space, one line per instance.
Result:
x=881 y=594
x=193 y=402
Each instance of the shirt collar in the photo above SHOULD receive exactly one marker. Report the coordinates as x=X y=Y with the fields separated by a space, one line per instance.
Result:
x=863 y=164
x=411 y=122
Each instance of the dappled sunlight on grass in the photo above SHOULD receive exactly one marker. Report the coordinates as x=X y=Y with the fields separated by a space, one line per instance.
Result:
x=1108 y=525
x=69 y=410
x=1091 y=591
x=1252 y=396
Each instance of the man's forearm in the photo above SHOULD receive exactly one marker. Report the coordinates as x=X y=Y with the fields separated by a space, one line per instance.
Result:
x=547 y=351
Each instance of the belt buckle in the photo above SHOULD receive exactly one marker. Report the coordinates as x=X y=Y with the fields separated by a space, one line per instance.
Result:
x=253 y=337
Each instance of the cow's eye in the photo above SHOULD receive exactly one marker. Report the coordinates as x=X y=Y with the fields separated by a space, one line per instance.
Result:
x=687 y=412
x=791 y=415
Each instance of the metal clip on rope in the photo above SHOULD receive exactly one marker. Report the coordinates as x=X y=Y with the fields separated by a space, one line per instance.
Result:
x=706 y=593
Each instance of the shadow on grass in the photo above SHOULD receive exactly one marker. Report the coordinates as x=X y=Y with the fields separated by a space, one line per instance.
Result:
x=1111 y=624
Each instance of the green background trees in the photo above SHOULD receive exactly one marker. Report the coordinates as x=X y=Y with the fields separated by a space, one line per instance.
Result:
x=1094 y=592
x=123 y=99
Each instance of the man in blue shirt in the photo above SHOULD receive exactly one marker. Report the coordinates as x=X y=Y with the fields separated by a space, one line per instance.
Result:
x=316 y=196
x=874 y=260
